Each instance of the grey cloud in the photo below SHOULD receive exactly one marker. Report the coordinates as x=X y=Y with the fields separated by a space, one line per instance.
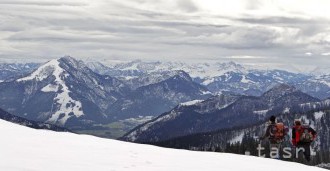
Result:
x=40 y=3
x=187 y=5
x=276 y=20
x=253 y=4
x=232 y=37
x=308 y=27
x=111 y=29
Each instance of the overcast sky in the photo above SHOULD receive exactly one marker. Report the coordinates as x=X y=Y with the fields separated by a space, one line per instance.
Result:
x=277 y=32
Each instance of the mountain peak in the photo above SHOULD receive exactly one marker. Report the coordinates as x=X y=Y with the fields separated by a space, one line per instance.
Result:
x=68 y=60
x=279 y=91
x=230 y=66
x=55 y=66
x=43 y=71
x=55 y=69
x=183 y=75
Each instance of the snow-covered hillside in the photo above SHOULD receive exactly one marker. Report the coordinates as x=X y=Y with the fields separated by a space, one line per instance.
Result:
x=23 y=148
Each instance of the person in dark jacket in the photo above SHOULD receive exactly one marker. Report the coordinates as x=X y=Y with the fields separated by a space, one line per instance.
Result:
x=302 y=137
x=274 y=143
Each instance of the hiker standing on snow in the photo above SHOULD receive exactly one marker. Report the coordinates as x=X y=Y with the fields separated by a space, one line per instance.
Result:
x=302 y=137
x=275 y=132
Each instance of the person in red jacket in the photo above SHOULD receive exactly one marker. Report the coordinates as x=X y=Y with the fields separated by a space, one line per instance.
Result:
x=302 y=137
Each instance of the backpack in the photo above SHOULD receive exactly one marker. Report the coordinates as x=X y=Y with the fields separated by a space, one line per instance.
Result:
x=305 y=135
x=277 y=131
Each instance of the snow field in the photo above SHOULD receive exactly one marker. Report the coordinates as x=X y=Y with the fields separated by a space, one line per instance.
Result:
x=23 y=148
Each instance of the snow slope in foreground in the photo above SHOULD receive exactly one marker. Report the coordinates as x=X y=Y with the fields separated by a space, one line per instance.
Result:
x=23 y=148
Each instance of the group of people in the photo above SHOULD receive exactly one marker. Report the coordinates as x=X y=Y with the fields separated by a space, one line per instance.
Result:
x=301 y=136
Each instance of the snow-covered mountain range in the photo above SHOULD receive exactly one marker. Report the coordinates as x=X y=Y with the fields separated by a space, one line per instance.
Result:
x=67 y=93
x=220 y=77
x=23 y=148
x=70 y=93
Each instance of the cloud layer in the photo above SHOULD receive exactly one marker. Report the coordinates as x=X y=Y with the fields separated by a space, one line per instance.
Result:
x=296 y=32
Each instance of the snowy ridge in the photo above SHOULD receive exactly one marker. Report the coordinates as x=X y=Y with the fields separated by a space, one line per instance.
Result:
x=190 y=103
x=172 y=115
x=201 y=70
x=57 y=151
x=42 y=72
x=64 y=106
